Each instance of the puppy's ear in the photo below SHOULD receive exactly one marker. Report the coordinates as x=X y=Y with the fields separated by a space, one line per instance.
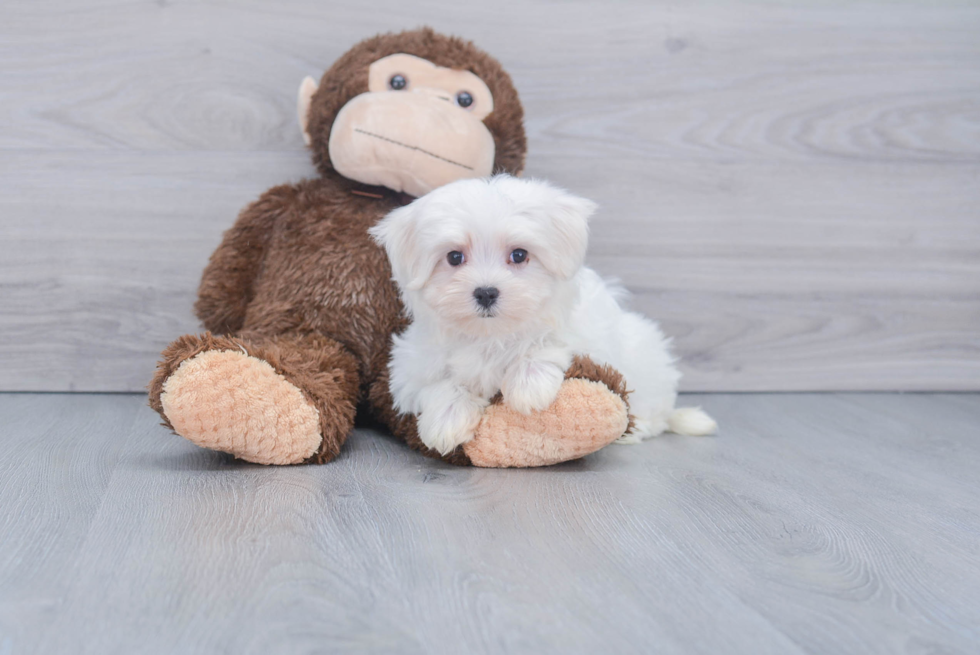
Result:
x=570 y=233
x=398 y=234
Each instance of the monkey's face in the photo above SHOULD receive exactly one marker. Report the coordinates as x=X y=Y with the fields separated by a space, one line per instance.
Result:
x=418 y=126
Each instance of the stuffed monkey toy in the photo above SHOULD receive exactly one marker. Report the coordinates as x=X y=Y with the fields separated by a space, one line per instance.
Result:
x=298 y=299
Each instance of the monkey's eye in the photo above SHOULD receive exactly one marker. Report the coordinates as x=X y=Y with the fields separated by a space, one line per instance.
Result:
x=455 y=258
x=397 y=82
x=464 y=99
x=518 y=256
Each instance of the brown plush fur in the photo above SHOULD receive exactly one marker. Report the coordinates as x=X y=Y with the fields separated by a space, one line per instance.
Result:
x=298 y=282
x=348 y=78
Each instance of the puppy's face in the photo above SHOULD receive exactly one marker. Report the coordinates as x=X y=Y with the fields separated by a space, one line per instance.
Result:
x=487 y=257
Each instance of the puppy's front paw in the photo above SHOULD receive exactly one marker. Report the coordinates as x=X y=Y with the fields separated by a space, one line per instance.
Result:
x=532 y=386
x=448 y=418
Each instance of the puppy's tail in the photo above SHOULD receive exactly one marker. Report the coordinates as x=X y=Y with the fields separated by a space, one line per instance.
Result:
x=691 y=422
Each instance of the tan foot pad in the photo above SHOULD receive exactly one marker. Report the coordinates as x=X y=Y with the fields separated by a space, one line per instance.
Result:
x=585 y=417
x=238 y=404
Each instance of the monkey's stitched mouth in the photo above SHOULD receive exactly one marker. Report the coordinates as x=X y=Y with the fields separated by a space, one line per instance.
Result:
x=416 y=148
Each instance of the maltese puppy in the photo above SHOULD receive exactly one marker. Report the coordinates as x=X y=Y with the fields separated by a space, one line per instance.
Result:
x=491 y=271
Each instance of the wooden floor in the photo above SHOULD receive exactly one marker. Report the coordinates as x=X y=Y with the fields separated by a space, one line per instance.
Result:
x=816 y=523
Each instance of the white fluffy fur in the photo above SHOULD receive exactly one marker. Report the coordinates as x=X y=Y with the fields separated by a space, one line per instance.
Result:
x=455 y=356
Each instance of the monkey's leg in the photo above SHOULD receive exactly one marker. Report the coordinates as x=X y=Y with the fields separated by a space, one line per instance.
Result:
x=287 y=399
x=590 y=412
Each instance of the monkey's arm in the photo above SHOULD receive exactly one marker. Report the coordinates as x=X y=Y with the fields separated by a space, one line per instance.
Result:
x=226 y=285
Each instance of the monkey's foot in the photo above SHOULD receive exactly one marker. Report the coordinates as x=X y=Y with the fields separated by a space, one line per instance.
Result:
x=228 y=401
x=589 y=413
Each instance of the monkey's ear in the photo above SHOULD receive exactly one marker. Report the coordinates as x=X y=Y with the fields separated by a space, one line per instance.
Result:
x=306 y=91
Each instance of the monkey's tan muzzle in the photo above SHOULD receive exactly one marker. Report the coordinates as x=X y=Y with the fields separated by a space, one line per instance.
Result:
x=412 y=142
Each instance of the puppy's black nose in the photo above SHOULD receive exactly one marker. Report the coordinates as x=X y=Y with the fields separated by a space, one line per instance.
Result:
x=486 y=296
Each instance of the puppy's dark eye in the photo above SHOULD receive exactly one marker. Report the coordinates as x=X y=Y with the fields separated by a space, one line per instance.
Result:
x=464 y=99
x=397 y=82
x=455 y=258
x=518 y=256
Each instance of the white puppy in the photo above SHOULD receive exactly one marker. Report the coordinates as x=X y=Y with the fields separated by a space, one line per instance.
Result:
x=491 y=272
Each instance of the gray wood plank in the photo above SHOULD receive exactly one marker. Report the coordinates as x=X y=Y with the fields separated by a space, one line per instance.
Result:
x=100 y=272
x=793 y=189
x=837 y=298
x=59 y=455
x=707 y=79
x=815 y=523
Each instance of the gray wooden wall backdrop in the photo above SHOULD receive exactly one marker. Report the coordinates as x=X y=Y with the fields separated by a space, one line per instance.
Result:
x=793 y=189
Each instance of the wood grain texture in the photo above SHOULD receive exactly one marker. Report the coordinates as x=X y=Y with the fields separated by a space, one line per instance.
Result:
x=793 y=189
x=829 y=523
